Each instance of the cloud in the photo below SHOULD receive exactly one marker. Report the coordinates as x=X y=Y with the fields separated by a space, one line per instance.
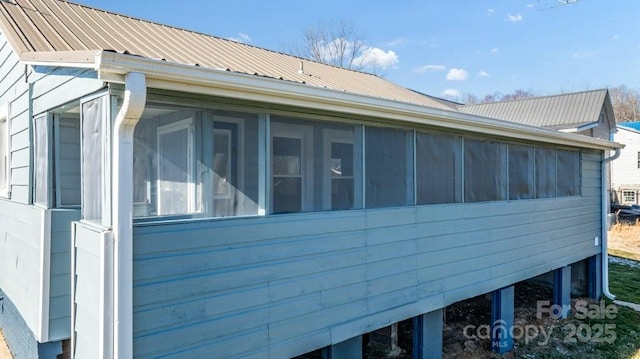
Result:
x=616 y=37
x=483 y=74
x=584 y=54
x=495 y=49
x=530 y=6
x=514 y=18
x=457 y=75
x=429 y=68
x=397 y=42
x=490 y=12
x=242 y=37
x=452 y=94
x=378 y=58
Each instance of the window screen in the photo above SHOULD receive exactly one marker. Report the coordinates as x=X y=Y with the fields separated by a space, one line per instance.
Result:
x=485 y=172
x=438 y=168
x=568 y=173
x=67 y=159
x=521 y=170
x=93 y=139
x=545 y=172
x=41 y=160
x=388 y=167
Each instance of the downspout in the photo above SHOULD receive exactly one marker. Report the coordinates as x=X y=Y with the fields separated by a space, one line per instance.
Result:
x=605 y=225
x=122 y=203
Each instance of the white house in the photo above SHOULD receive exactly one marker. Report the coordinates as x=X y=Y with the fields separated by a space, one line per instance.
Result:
x=625 y=170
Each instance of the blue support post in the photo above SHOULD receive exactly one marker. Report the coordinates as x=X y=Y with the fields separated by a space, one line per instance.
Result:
x=348 y=349
x=562 y=290
x=502 y=308
x=427 y=335
x=595 y=277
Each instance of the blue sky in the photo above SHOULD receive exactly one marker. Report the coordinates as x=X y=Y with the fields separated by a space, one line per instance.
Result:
x=441 y=47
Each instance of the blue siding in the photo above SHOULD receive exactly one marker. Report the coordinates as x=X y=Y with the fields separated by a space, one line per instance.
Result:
x=60 y=273
x=282 y=285
x=21 y=342
x=20 y=248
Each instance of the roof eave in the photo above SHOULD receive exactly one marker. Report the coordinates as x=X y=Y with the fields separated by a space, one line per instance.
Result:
x=79 y=59
x=112 y=67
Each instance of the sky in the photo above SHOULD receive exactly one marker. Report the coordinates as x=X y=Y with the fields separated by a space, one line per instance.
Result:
x=444 y=48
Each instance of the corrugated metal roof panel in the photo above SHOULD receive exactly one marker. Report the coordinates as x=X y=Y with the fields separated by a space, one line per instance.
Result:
x=557 y=111
x=57 y=25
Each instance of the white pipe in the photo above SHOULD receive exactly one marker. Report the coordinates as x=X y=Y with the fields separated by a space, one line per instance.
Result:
x=122 y=203
x=605 y=225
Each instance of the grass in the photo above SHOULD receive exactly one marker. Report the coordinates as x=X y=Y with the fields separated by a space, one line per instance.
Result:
x=624 y=241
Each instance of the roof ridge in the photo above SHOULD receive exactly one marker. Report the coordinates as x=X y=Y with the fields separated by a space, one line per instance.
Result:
x=206 y=35
x=538 y=97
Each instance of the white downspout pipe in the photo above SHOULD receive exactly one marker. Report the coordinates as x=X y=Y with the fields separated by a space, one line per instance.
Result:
x=605 y=225
x=122 y=203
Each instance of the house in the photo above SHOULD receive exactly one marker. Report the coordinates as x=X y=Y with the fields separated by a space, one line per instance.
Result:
x=588 y=113
x=625 y=170
x=165 y=193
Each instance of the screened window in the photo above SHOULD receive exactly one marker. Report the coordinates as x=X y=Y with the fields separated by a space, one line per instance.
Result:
x=545 y=172
x=195 y=162
x=5 y=149
x=438 y=168
x=485 y=170
x=521 y=172
x=389 y=167
x=568 y=183
x=313 y=166
x=629 y=196
x=94 y=115
x=41 y=176
x=66 y=148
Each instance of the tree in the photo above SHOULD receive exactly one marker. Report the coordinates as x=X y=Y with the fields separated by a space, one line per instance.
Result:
x=339 y=44
x=626 y=103
x=519 y=94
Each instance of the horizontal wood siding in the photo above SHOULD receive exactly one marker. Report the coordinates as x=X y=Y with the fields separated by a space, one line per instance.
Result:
x=55 y=86
x=87 y=292
x=282 y=285
x=60 y=273
x=20 y=248
x=14 y=90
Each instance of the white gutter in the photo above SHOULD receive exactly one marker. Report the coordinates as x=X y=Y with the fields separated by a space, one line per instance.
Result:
x=122 y=203
x=605 y=225
x=112 y=66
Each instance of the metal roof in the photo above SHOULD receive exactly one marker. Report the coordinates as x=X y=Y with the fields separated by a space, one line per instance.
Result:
x=59 y=30
x=558 y=112
x=631 y=125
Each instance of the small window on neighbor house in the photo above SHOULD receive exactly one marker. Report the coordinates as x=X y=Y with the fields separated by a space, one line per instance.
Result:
x=638 y=159
x=629 y=196
x=5 y=150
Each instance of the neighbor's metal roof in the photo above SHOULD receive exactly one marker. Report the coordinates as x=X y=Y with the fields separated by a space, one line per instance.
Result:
x=557 y=112
x=68 y=32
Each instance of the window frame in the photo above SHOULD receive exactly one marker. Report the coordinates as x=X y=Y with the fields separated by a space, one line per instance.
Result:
x=304 y=133
x=329 y=137
x=625 y=192
x=5 y=142
x=47 y=118
x=192 y=202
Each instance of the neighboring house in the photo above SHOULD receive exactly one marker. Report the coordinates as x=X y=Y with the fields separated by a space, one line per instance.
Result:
x=625 y=170
x=588 y=113
x=165 y=193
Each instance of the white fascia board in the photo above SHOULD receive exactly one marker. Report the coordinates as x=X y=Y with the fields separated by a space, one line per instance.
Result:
x=75 y=59
x=112 y=67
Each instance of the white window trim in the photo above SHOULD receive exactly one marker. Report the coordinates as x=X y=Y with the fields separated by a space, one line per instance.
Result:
x=331 y=136
x=305 y=134
x=6 y=142
x=191 y=188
